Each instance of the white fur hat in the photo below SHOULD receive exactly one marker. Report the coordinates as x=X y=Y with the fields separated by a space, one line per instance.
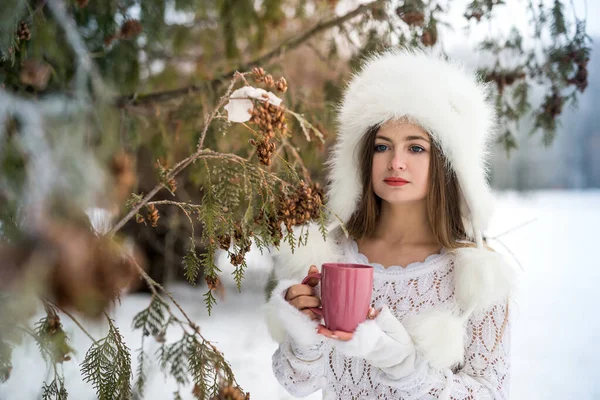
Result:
x=445 y=98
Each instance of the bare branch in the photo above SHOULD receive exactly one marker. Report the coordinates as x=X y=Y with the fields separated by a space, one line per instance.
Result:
x=287 y=45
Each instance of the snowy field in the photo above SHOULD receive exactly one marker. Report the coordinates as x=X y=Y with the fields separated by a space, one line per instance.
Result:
x=556 y=329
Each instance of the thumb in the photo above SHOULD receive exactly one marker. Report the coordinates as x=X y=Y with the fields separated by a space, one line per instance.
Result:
x=313 y=281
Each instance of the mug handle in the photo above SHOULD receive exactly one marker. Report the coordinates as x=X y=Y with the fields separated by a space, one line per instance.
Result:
x=316 y=310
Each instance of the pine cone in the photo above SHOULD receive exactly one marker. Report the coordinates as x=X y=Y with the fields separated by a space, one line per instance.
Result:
x=553 y=105
x=224 y=242
x=265 y=150
x=231 y=393
x=172 y=185
x=428 y=39
x=23 y=32
x=258 y=73
x=269 y=81
x=580 y=80
x=411 y=17
x=152 y=216
x=281 y=85
x=213 y=282
x=131 y=28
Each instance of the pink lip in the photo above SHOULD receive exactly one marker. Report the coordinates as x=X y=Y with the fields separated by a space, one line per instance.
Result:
x=396 y=181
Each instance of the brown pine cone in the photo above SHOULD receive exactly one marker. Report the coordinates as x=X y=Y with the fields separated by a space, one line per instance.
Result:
x=172 y=185
x=411 y=17
x=281 y=85
x=269 y=81
x=23 y=32
x=131 y=28
x=224 y=242
x=258 y=72
x=152 y=216
x=428 y=39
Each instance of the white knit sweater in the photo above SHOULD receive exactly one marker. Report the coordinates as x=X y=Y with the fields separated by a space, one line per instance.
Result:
x=407 y=291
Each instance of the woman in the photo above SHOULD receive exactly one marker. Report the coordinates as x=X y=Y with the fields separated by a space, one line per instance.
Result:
x=408 y=179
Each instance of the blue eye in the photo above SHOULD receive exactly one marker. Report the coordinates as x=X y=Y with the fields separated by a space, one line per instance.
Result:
x=419 y=149
x=380 y=148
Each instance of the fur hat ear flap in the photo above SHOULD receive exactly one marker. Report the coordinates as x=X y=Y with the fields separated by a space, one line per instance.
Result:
x=482 y=278
x=439 y=336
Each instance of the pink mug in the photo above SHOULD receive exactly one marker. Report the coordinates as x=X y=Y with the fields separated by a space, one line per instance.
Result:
x=345 y=294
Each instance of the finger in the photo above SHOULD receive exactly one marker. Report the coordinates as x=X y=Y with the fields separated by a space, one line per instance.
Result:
x=313 y=281
x=302 y=302
x=343 y=336
x=298 y=290
x=314 y=316
x=322 y=330
x=373 y=313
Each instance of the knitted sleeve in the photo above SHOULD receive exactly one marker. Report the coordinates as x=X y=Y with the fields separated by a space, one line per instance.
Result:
x=484 y=374
x=300 y=369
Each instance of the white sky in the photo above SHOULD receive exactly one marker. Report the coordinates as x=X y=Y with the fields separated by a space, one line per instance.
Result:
x=513 y=13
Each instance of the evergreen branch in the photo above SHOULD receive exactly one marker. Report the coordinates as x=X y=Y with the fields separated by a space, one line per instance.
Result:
x=191 y=264
x=182 y=164
x=286 y=45
x=172 y=358
x=205 y=154
x=107 y=365
x=183 y=207
x=153 y=319
x=55 y=391
x=140 y=382
x=209 y=300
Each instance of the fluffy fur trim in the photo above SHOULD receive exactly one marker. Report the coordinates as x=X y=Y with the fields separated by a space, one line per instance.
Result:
x=383 y=340
x=284 y=319
x=439 y=336
x=445 y=98
x=482 y=278
x=363 y=342
x=294 y=264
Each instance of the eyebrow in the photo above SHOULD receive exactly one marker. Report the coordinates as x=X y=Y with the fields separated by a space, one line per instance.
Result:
x=408 y=138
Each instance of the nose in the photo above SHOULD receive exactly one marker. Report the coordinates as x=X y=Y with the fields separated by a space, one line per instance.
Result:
x=398 y=162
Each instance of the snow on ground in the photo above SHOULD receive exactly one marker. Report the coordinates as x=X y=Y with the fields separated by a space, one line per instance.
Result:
x=555 y=348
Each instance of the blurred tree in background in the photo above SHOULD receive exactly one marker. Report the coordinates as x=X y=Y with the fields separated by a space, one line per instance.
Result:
x=118 y=159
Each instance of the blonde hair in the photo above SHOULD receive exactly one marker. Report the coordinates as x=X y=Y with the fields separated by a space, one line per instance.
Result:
x=443 y=197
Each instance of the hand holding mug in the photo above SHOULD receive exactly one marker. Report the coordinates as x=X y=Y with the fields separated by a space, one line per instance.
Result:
x=302 y=295
x=346 y=291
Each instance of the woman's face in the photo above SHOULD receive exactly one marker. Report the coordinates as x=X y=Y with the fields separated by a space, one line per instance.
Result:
x=401 y=163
